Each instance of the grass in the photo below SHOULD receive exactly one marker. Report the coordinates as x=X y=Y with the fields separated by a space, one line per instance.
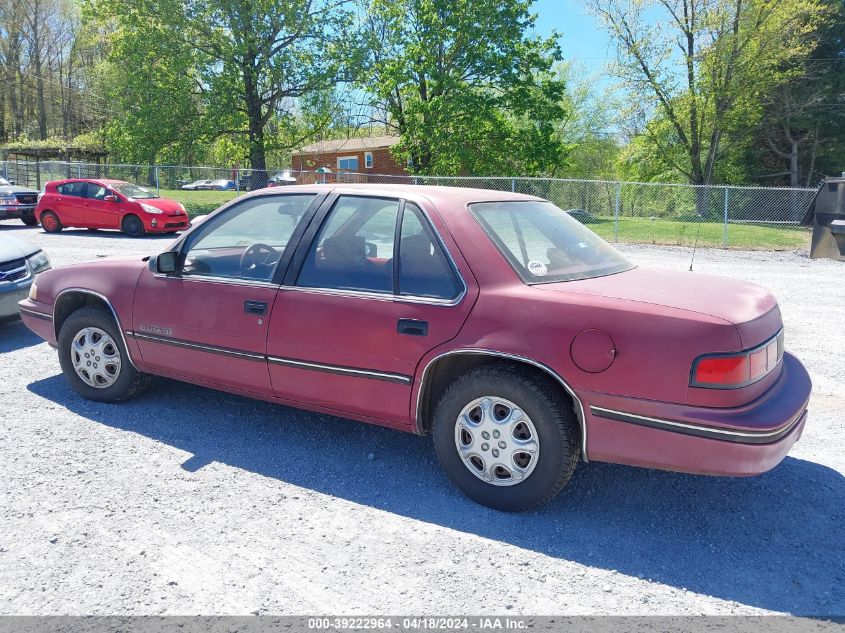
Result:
x=199 y=202
x=631 y=230
x=683 y=233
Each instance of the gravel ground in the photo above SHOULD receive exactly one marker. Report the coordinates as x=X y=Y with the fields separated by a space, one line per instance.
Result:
x=190 y=501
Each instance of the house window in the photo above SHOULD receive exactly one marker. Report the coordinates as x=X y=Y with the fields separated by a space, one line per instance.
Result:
x=368 y=160
x=347 y=163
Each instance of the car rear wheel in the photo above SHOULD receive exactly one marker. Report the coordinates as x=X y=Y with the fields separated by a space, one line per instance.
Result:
x=29 y=219
x=506 y=440
x=94 y=359
x=50 y=222
x=133 y=226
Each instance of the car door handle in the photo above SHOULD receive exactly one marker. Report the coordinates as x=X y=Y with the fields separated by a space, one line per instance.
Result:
x=412 y=327
x=255 y=307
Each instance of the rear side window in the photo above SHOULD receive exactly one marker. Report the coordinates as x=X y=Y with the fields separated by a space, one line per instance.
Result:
x=424 y=270
x=354 y=249
x=76 y=189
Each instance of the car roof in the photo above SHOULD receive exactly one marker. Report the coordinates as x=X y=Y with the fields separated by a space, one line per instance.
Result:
x=99 y=181
x=443 y=198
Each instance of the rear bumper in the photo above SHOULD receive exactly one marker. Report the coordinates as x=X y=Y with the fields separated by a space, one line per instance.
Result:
x=746 y=440
x=8 y=212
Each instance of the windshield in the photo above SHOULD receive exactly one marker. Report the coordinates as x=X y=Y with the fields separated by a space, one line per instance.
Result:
x=134 y=191
x=544 y=244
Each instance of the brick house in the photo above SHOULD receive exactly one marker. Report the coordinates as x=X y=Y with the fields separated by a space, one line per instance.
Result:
x=345 y=157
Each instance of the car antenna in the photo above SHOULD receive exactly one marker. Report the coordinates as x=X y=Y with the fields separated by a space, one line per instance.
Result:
x=695 y=246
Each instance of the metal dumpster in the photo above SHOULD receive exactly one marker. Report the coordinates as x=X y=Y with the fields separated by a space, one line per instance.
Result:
x=826 y=214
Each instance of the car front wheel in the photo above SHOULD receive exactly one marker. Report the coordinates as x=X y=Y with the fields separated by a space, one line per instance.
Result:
x=505 y=439
x=94 y=359
x=133 y=226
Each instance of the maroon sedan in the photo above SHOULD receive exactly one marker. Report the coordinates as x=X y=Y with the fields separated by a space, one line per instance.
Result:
x=108 y=204
x=494 y=321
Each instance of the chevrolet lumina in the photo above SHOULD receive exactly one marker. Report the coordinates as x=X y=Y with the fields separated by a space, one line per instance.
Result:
x=493 y=321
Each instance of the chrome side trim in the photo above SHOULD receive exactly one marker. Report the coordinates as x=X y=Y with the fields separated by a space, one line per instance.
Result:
x=36 y=314
x=709 y=432
x=341 y=370
x=211 y=349
x=378 y=296
x=579 y=410
x=219 y=280
x=102 y=297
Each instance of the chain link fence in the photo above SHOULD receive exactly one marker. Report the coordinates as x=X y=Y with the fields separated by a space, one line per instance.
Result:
x=644 y=213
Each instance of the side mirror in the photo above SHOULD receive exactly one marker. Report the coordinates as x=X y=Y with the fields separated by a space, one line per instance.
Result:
x=164 y=263
x=372 y=249
x=110 y=198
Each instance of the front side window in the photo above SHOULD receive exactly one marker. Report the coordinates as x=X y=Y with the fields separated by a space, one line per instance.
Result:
x=424 y=270
x=544 y=244
x=354 y=249
x=95 y=191
x=247 y=241
x=348 y=163
x=135 y=191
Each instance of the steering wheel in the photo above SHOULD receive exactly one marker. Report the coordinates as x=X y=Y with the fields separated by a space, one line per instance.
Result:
x=258 y=261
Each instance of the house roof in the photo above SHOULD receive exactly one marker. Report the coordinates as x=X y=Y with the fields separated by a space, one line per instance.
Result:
x=348 y=145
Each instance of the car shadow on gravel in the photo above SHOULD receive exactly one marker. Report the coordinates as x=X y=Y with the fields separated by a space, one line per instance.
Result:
x=117 y=235
x=14 y=335
x=774 y=541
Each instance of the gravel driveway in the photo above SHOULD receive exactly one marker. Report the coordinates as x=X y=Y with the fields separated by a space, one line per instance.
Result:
x=189 y=501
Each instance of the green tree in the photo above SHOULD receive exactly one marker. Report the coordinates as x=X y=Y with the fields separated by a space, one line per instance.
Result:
x=465 y=85
x=695 y=65
x=246 y=61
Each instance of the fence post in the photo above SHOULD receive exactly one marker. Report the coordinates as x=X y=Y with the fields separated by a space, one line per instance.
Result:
x=616 y=212
x=725 y=229
x=158 y=190
x=513 y=185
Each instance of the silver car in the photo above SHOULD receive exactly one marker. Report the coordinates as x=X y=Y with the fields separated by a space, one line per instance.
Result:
x=20 y=261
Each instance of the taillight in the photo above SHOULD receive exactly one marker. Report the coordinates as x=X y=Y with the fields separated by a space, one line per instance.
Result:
x=731 y=371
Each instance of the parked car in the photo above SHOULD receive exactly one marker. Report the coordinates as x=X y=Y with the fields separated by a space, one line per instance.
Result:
x=499 y=324
x=17 y=202
x=20 y=261
x=197 y=184
x=223 y=185
x=282 y=179
x=108 y=204
x=584 y=217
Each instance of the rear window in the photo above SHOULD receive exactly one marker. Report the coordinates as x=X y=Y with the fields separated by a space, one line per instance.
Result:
x=544 y=244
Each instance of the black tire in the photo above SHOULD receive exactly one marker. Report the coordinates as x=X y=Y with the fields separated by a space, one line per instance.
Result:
x=555 y=423
x=29 y=219
x=129 y=383
x=50 y=222
x=132 y=226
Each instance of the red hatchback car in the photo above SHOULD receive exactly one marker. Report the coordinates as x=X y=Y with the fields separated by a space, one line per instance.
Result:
x=492 y=320
x=108 y=204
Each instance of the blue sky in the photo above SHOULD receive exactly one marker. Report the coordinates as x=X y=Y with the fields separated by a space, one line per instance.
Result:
x=582 y=40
